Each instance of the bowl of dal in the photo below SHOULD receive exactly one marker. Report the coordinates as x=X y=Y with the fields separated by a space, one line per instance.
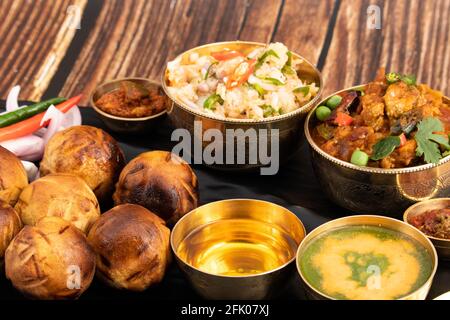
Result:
x=366 y=257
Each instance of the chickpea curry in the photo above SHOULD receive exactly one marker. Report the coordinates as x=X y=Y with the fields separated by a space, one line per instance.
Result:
x=392 y=122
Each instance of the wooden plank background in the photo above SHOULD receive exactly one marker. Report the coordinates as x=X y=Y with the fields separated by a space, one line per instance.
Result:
x=43 y=51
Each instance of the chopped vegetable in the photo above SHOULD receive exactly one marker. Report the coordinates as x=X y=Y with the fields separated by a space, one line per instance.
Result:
x=30 y=125
x=334 y=101
x=343 y=119
x=287 y=68
x=322 y=113
x=273 y=81
x=304 y=90
x=226 y=55
x=402 y=139
x=385 y=147
x=264 y=57
x=238 y=78
x=268 y=110
x=211 y=101
x=428 y=141
x=209 y=69
x=392 y=77
x=23 y=113
x=325 y=131
x=258 y=88
x=359 y=158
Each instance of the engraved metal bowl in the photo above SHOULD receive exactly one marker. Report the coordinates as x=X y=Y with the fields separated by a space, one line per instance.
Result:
x=442 y=245
x=122 y=124
x=249 y=287
x=369 y=220
x=290 y=125
x=375 y=190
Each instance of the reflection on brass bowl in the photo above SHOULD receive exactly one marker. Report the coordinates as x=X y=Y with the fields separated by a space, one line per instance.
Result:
x=368 y=190
x=289 y=124
x=238 y=248
x=122 y=124
x=442 y=245
x=395 y=236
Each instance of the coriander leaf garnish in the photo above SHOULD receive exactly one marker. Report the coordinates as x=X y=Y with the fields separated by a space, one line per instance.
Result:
x=428 y=141
x=385 y=147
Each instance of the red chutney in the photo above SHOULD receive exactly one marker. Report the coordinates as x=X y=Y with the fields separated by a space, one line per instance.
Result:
x=435 y=223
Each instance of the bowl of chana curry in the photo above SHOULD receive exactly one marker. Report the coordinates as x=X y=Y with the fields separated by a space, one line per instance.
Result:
x=382 y=146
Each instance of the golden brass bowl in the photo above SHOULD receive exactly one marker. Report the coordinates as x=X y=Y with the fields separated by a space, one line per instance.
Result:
x=369 y=220
x=368 y=190
x=442 y=245
x=289 y=125
x=122 y=124
x=253 y=286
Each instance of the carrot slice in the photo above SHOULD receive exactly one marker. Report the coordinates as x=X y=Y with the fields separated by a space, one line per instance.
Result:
x=33 y=124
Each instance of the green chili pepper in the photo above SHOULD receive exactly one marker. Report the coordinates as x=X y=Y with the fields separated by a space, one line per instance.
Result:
x=27 y=112
x=274 y=81
x=304 y=90
x=211 y=101
x=258 y=88
x=264 y=57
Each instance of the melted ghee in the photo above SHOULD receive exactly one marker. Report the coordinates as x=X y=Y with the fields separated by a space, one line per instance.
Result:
x=237 y=247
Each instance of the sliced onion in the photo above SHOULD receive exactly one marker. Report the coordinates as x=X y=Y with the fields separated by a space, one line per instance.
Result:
x=56 y=118
x=32 y=170
x=29 y=147
x=71 y=118
x=12 y=99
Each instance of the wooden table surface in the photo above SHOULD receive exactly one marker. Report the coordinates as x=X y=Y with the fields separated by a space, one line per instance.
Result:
x=65 y=47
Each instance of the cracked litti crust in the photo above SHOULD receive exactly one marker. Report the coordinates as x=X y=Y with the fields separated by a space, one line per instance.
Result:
x=60 y=195
x=132 y=246
x=87 y=152
x=41 y=260
x=10 y=226
x=13 y=177
x=161 y=182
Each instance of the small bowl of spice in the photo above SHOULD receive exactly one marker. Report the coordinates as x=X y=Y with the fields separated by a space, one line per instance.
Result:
x=432 y=217
x=130 y=105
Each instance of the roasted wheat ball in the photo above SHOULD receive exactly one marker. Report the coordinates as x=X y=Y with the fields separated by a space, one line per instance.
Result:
x=132 y=246
x=13 y=177
x=51 y=260
x=87 y=152
x=160 y=181
x=60 y=195
x=10 y=226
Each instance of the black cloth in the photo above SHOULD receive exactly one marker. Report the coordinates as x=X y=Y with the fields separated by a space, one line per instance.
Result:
x=294 y=187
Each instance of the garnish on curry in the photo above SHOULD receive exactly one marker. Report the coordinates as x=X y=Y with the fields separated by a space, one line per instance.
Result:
x=390 y=123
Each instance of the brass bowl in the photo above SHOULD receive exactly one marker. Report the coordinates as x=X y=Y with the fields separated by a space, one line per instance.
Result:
x=289 y=124
x=369 y=220
x=368 y=190
x=255 y=286
x=122 y=124
x=442 y=245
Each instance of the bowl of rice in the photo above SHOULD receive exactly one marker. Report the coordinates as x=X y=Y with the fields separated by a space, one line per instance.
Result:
x=251 y=93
